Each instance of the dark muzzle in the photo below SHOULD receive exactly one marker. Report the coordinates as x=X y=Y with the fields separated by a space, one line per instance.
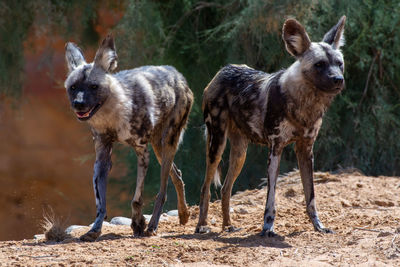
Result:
x=79 y=105
x=338 y=80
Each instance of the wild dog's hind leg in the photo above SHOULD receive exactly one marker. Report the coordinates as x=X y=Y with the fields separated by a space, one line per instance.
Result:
x=103 y=147
x=305 y=161
x=138 y=221
x=237 y=157
x=273 y=171
x=167 y=156
x=176 y=177
x=216 y=141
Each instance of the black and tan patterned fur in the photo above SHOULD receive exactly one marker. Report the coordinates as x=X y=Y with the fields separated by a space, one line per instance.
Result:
x=135 y=107
x=249 y=106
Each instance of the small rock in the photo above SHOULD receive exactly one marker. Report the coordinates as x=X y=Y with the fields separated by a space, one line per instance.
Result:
x=290 y=193
x=172 y=213
x=73 y=227
x=147 y=217
x=384 y=203
x=107 y=224
x=39 y=237
x=231 y=210
x=351 y=242
x=383 y=234
x=243 y=211
x=121 y=221
x=164 y=217
x=345 y=203
x=104 y=224
x=213 y=221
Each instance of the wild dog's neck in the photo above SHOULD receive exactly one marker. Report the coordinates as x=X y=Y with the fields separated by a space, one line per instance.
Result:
x=306 y=103
x=115 y=110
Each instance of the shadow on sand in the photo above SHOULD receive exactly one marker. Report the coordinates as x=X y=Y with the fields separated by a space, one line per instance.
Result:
x=252 y=240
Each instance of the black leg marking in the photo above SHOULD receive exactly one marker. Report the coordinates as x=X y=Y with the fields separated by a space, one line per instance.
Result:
x=103 y=146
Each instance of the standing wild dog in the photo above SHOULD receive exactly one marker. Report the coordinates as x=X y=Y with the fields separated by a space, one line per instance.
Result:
x=134 y=107
x=246 y=105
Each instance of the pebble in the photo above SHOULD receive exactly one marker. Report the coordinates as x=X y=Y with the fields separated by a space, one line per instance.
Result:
x=104 y=224
x=243 y=211
x=39 y=236
x=73 y=227
x=172 y=213
x=345 y=203
x=121 y=221
x=164 y=217
x=147 y=217
x=115 y=221
x=384 y=203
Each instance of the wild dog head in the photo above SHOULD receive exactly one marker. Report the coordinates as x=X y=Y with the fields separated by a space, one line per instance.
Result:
x=88 y=84
x=321 y=63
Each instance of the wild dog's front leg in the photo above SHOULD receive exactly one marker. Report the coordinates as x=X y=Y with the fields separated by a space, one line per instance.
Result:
x=102 y=166
x=305 y=161
x=273 y=171
x=138 y=221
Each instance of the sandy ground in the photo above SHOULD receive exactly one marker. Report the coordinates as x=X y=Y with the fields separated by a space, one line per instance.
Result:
x=363 y=211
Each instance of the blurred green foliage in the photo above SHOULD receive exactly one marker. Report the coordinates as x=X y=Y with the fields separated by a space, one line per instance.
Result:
x=199 y=37
x=360 y=129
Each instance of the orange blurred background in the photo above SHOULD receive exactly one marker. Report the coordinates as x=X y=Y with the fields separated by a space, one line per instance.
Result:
x=46 y=155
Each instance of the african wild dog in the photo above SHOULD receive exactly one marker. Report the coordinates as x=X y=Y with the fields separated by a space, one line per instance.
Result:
x=250 y=106
x=134 y=107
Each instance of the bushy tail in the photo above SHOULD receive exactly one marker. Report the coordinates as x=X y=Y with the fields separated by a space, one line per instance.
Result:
x=217 y=177
x=217 y=174
x=53 y=226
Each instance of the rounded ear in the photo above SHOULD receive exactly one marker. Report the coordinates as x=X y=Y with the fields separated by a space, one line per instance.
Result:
x=335 y=36
x=106 y=57
x=73 y=56
x=295 y=37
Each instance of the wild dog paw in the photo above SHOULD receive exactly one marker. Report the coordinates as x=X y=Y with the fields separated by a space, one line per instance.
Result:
x=184 y=216
x=268 y=233
x=231 y=228
x=90 y=236
x=202 y=229
x=151 y=232
x=324 y=230
x=138 y=226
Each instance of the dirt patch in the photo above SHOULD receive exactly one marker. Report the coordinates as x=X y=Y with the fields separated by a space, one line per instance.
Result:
x=363 y=211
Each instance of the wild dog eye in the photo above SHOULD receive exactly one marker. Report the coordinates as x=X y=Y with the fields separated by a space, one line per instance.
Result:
x=72 y=87
x=319 y=64
x=94 y=86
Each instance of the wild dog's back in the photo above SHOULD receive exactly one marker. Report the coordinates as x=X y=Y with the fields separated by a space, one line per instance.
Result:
x=148 y=96
x=160 y=94
x=245 y=93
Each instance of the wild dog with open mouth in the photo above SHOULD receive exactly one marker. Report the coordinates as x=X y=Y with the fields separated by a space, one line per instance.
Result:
x=134 y=107
x=246 y=105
